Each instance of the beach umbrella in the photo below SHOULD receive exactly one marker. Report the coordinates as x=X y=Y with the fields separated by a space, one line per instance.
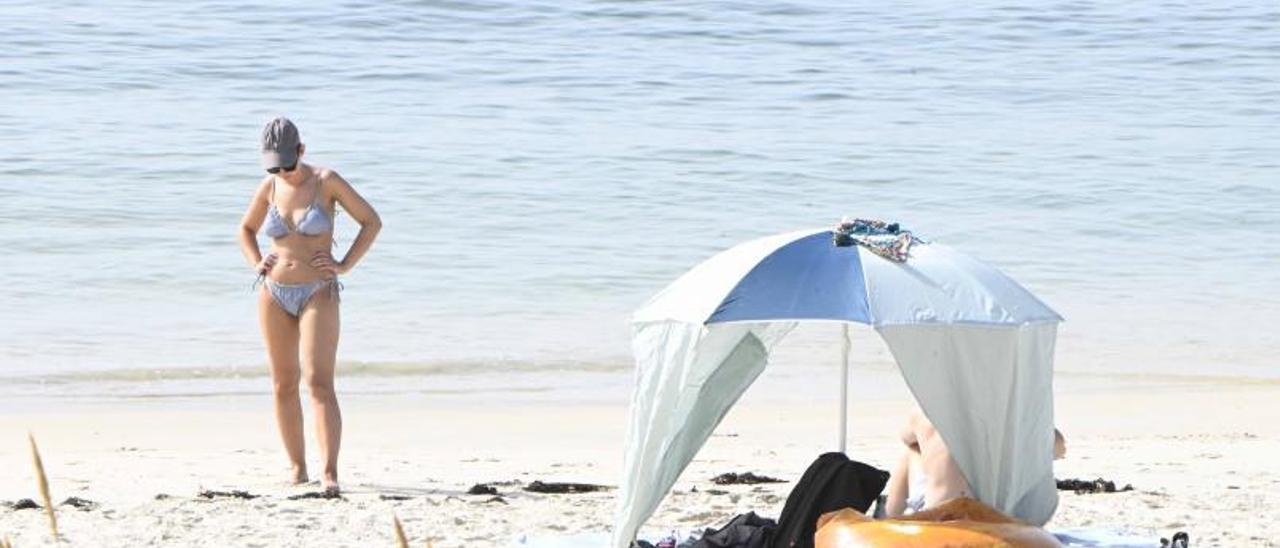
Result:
x=975 y=349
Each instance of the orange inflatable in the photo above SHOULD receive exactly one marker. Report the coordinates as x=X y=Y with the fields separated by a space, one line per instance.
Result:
x=962 y=522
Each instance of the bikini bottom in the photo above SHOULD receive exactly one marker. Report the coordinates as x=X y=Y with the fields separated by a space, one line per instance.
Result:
x=294 y=297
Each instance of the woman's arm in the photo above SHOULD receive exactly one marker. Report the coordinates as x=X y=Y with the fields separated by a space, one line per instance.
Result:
x=362 y=212
x=251 y=222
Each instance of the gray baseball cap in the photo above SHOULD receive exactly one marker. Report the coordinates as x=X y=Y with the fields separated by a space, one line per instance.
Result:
x=280 y=143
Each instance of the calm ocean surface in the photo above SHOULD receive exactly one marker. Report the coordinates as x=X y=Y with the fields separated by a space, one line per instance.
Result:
x=543 y=167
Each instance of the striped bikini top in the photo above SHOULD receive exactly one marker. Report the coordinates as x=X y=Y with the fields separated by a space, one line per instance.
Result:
x=314 y=220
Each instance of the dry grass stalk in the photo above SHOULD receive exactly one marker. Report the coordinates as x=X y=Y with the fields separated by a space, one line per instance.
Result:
x=43 y=482
x=401 y=541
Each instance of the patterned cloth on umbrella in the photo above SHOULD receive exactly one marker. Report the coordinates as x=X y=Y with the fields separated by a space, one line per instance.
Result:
x=885 y=239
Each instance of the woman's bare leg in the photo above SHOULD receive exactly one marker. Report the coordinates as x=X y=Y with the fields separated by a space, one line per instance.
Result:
x=280 y=331
x=319 y=324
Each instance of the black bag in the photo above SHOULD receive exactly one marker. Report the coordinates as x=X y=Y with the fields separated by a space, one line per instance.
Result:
x=832 y=482
x=744 y=531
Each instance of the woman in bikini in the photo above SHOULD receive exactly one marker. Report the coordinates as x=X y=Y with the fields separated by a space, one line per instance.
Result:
x=298 y=304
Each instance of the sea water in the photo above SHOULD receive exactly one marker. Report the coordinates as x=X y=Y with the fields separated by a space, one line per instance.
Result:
x=542 y=168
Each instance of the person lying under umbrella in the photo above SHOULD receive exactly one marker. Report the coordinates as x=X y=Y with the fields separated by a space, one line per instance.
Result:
x=926 y=475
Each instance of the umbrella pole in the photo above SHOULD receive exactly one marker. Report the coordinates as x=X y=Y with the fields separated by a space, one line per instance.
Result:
x=844 y=386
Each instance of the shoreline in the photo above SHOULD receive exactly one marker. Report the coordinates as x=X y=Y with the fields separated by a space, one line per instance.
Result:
x=383 y=369
x=593 y=383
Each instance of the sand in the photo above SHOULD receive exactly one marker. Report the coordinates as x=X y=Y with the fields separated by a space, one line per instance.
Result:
x=1201 y=456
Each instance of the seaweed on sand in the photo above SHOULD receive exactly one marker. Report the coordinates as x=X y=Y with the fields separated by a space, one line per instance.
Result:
x=730 y=478
x=482 y=489
x=234 y=494
x=558 y=488
x=80 y=504
x=1081 y=487
x=326 y=494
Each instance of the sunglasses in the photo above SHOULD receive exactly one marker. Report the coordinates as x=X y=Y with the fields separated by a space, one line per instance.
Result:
x=286 y=169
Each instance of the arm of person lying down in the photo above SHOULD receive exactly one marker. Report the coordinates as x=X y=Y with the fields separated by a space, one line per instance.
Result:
x=899 y=483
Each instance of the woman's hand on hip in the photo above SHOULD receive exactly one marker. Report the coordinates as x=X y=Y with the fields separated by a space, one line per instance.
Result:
x=324 y=262
x=266 y=264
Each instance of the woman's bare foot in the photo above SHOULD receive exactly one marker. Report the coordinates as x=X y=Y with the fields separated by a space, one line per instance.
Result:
x=299 y=475
x=330 y=485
